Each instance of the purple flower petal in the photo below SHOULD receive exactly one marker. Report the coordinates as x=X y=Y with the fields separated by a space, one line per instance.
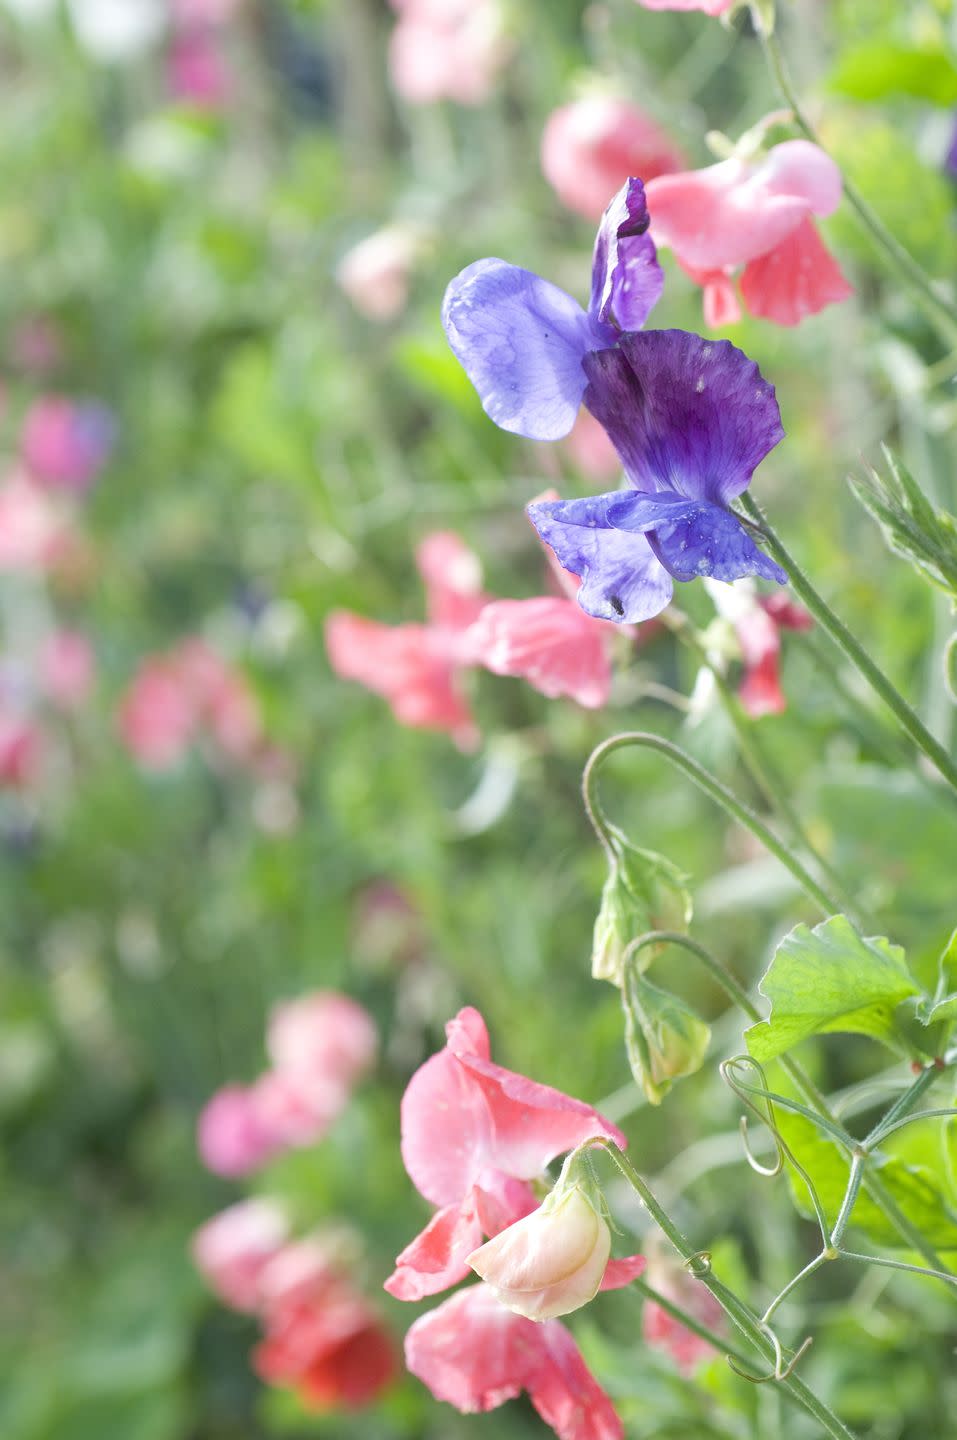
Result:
x=521 y=341
x=626 y=279
x=692 y=538
x=685 y=414
x=621 y=579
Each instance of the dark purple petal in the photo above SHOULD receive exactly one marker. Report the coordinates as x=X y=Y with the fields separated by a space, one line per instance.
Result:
x=521 y=341
x=621 y=579
x=626 y=279
x=691 y=538
x=685 y=414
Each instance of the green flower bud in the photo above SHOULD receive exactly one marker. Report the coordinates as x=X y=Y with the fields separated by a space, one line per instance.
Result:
x=665 y=1039
x=643 y=892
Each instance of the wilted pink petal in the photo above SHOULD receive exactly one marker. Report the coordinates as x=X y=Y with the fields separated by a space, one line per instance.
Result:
x=230 y=1136
x=797 y=278
x=591 y=146
x=66 y=666
x=233 y=1249
x=325 y=1037
x=550 y=642
x=475 y=1354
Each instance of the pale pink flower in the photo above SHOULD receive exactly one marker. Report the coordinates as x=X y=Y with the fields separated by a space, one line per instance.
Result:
x=324 y=1038
x=708 y=7
x=65 y=443
x=33 y=532
x=200 y=14
x=376 y=272
x=662 y=1331
x=196 y=69
x=473 y=1135
x=293 y=1112
x=235 y=1247
x=447 y=50
x=757 y=621
x=157 y=715
x=231 y=1138
x=757 y=215
x=475 y=1354
x=67 y=668
x=591 y=146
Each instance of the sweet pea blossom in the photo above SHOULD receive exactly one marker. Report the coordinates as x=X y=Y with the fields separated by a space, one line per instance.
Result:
x=475 y=1354
x=447 y=50
x=232 y=1250
x=473 y=1135
x=662 y=1331
x=757 y=621
x=66 y=668
x=524 y=343
x=65 y=443
x=376 y=272
x=592 y=145
x=325 y=1038
x=757 y=214
x=33 y=532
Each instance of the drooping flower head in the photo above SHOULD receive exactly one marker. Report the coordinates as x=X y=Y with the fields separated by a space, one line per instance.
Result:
x=592 y=145
x=523 y=342
x=756 y=214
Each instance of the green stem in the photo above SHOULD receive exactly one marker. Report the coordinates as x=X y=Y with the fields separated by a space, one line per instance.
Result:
x=941 y=310
x=712 y=788
x=854 y=1179
x=740 y=1314
x=902 y=1106
x=689 y=1322
x=794 y=1282
x=855 y=652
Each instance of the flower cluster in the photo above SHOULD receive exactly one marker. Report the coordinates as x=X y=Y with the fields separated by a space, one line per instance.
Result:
x=320 y=1046
x=447 y=50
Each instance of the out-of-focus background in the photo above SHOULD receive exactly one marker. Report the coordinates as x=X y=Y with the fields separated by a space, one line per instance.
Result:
x=219 y=420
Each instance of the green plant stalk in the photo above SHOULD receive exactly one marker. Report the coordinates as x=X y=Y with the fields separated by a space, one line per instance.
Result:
x=719 y=1342
x=852 y=648
x=941 y=310
x=711 y=787
x=740 y=1314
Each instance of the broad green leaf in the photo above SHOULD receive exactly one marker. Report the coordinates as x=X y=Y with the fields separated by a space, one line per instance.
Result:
x=831 y=979
x=879 y=68
x=914 y=1188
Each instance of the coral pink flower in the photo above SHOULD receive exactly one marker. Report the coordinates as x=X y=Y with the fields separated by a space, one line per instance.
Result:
x=447 y=50
x=551 y=643
x=758 y=621
x=325 y=1039
x=475 y=1354
x=321 y=1337
x=662 y=1331
x=756 y=215
x=32 y=531
x=473 y=1135
x=375 y=273
x=67 y=668
x=65 y=444
x=233 y=1249
x=416 y=667
x=230 y=1136
x=157 y=715
x=591 y=146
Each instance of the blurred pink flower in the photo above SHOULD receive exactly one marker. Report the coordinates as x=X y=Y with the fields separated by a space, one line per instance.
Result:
x=375 y=273
x=194 y=14
x=662 y=1331
x=230 y=1135
x=196 y=69
x=293 y=1111
x=33 y=532
x=65 y=443
x=67 y=668
x=475 y=1354
x=157 y=715
x=591 y=146
x=473 y=1135
x=709 y=7
x=21 y=749
x=589 y=447
x=324 y=1038
x=447 y=50
x=233 y=1249
x=551 y=643
x=756 y=215
x=758 y=621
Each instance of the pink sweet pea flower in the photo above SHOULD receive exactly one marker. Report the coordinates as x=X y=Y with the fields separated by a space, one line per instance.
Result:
x=33 y=533
x=67 y=668
x=707 y=7
x=416 y=667
x=551 y=643
x=196 y=70
x=447 y=50
x=591 y=146
x=21 y=750
x=233 y=1249
x=231 y=1137
x=758 y=621
x=662 y=1331
x=65 y=444
x=757 y=215
x=473 y=1136
x=157 y=715
x=324 y=1039
x=475 y=1354
x=376 y=272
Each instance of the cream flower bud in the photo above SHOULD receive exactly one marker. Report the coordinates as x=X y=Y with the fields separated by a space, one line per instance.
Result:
x=551 y=1262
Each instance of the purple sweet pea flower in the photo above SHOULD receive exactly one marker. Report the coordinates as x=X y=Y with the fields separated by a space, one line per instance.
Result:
x=950 y=163
x=691 y=419
x=523 y=342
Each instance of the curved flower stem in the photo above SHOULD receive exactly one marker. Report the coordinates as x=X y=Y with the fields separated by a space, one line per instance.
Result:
x=761 y=768
x=855 y=652
x=940 y=309
x=712 y=788
x=795 y=1281
x=740 y=1314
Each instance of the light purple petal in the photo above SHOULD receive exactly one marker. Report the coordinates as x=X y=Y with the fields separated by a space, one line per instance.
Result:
x=626 y=278
x=691 y=538
x=621 y=579
x=521 y=341
x=685 y=414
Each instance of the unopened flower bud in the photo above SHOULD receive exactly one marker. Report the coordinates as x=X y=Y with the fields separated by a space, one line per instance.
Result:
x=643 y=892
x=665 y=1040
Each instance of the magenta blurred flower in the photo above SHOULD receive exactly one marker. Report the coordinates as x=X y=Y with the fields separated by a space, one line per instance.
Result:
x=157 y=716
x=196 y=69
x=759 y=215
x=591 y=146
x=21 y=749
x=65 y=443
x=232 y=1250
x=708 y=7
x=67 y=668
x=447 y=50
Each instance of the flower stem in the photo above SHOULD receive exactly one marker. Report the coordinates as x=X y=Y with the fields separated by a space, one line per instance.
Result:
x=688 y=1321
x=712 y=788
x=852 y=648
x=940 y=309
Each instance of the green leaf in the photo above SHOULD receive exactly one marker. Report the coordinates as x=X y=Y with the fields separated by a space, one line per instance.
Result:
x=914 y=1188
x=831 y=979
x=880 y=68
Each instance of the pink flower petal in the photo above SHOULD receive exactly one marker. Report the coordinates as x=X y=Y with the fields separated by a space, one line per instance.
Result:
x=453 y=581
x=797 y=278
x=550 y=642
x=619 y=1273
x=436 y=1258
